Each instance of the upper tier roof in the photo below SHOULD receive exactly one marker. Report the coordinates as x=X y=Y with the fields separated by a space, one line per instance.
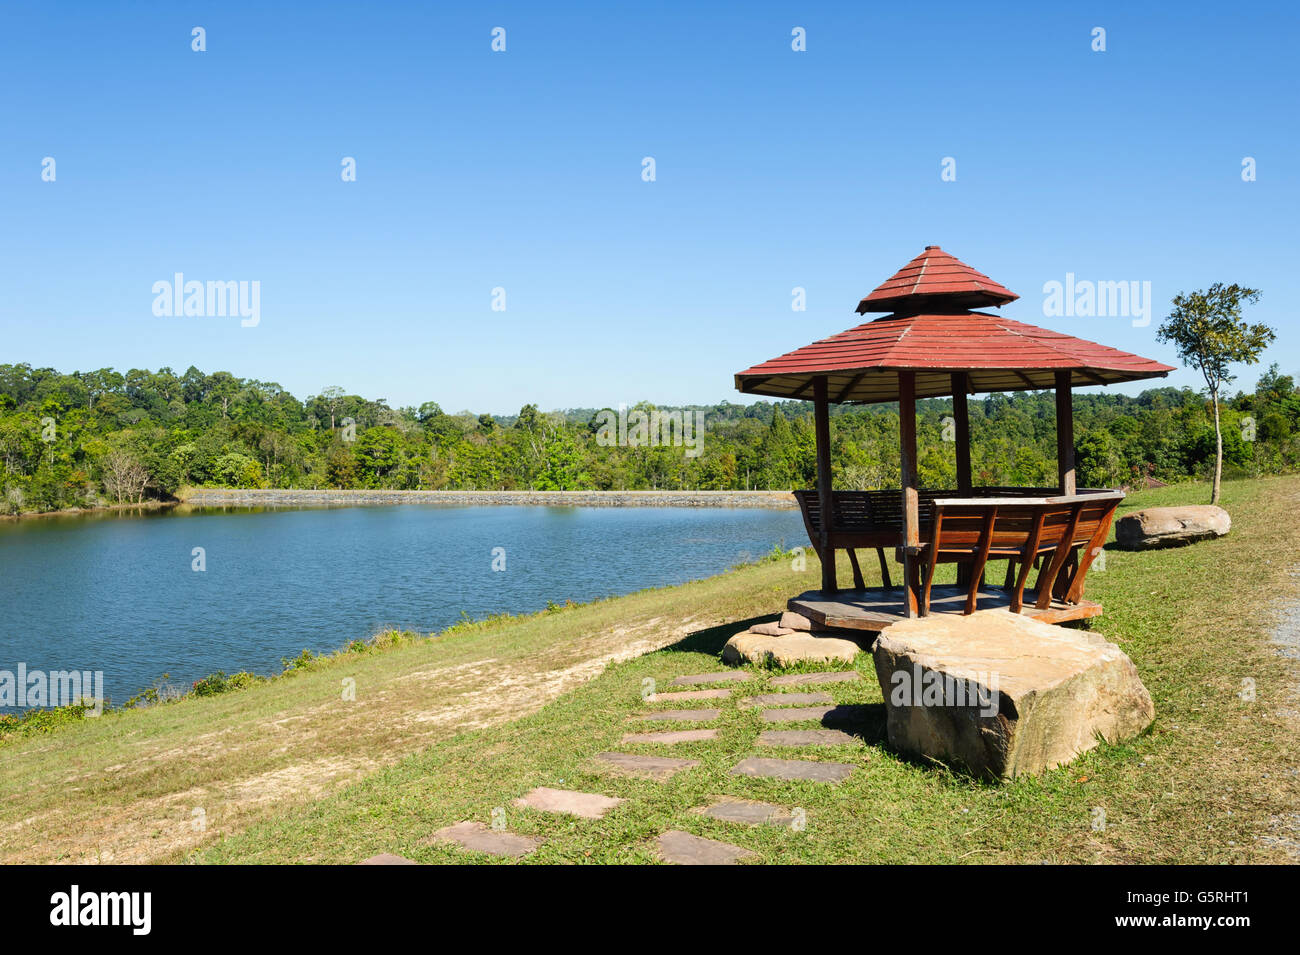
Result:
x=936 y=281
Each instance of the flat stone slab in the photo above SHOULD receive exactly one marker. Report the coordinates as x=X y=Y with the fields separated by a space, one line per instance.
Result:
x=800 y=769
x=651 y=767
x=387 y=858
x=788 y=699
x=805 y=738
x=681 y=716
x=843 y=715
x=721 y=694
x=671 y=736
x=771 y=630
x=698 y=679
x=807 y=679
x=586 y=805
x=749 y=812
x=787 y=650
x=480 y=838
x=682 y=848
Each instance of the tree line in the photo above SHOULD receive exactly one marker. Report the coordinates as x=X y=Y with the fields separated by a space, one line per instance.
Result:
x=85 y=439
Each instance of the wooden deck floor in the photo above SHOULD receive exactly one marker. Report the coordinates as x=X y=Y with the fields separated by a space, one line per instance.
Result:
x=877 y=607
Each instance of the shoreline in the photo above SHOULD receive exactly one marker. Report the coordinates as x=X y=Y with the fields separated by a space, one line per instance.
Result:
x=97 y=509
x=276 y=497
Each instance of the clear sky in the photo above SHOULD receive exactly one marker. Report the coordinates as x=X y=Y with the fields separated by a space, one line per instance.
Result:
x=522 y=170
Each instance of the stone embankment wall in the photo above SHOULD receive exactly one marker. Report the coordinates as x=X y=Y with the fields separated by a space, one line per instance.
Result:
x=226 y=497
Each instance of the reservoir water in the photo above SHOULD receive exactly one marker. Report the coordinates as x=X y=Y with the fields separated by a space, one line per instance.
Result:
x=119 y=592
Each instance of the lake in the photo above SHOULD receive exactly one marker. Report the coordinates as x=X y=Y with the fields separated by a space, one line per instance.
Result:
x=118 y=592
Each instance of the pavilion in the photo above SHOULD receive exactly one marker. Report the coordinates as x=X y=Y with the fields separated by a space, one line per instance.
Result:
x=932 y=343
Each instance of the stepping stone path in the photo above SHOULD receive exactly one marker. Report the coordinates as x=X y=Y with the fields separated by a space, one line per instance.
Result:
x=804 y=679
x=749 y=812
x=387 y=858
x=788 y=699
x=479 y=838
x=805 y=738
x=793 y=769
x=697 y=679
x=826 y=715
x=586 y=805
x=688 y=695
x=671 y=736
x=683 y=848
x=686 y=716
x=657 y=768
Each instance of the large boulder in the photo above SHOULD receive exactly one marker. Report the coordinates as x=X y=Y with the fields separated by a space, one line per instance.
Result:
x=999 y=694
x=749 y=647
x=1171 y=526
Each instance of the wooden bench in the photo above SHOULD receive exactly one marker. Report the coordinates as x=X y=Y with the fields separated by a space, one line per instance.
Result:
x=869 y=519
x=1072 y=531
x=1024 y=531
x=853 y=525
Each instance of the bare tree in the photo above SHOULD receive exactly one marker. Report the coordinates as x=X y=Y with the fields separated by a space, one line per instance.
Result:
x=125 y=478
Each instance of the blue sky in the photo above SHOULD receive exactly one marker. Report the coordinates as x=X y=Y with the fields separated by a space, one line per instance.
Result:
x=522 y=170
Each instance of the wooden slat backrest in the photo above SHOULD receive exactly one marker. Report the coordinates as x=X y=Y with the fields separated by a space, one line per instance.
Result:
x=1092 y=515
x=852 y=509
x=887 y=507
x=963 y=524
x=811 y=507
x=959 y=527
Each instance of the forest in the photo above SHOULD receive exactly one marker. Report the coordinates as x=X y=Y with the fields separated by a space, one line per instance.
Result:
x=88 y=439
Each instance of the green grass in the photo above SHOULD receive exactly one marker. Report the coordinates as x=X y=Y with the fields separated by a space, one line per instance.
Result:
x=1207 y=783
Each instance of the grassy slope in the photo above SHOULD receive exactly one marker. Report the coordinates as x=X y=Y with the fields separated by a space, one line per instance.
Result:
x=1206 y=784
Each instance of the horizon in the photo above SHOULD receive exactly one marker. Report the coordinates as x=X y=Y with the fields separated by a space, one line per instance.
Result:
x=476 y=183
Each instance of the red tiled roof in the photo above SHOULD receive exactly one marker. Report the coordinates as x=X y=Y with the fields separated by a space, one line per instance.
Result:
x=932 y=281
x=997 y=353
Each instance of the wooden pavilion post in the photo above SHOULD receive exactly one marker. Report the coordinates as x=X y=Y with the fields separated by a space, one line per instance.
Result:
x=911 y=508
x=822 y=430
x=961 y=419
x=1064 y=433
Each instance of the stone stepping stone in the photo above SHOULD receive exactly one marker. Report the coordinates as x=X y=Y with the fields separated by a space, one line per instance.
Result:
x=480 y=838
x=749 y=812
x=805 y=679
x=657 y=768
x=826 y=715
x=681 y=716
x=801 y=769
x=697 y=679
x=586 y=805
x=788 y=699
x=682 y=848
x=671 y=736
x=387 y=858
x=805 y=738
x=688 y=695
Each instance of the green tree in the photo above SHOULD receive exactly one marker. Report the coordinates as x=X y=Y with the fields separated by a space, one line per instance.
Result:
x=1207 y=329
